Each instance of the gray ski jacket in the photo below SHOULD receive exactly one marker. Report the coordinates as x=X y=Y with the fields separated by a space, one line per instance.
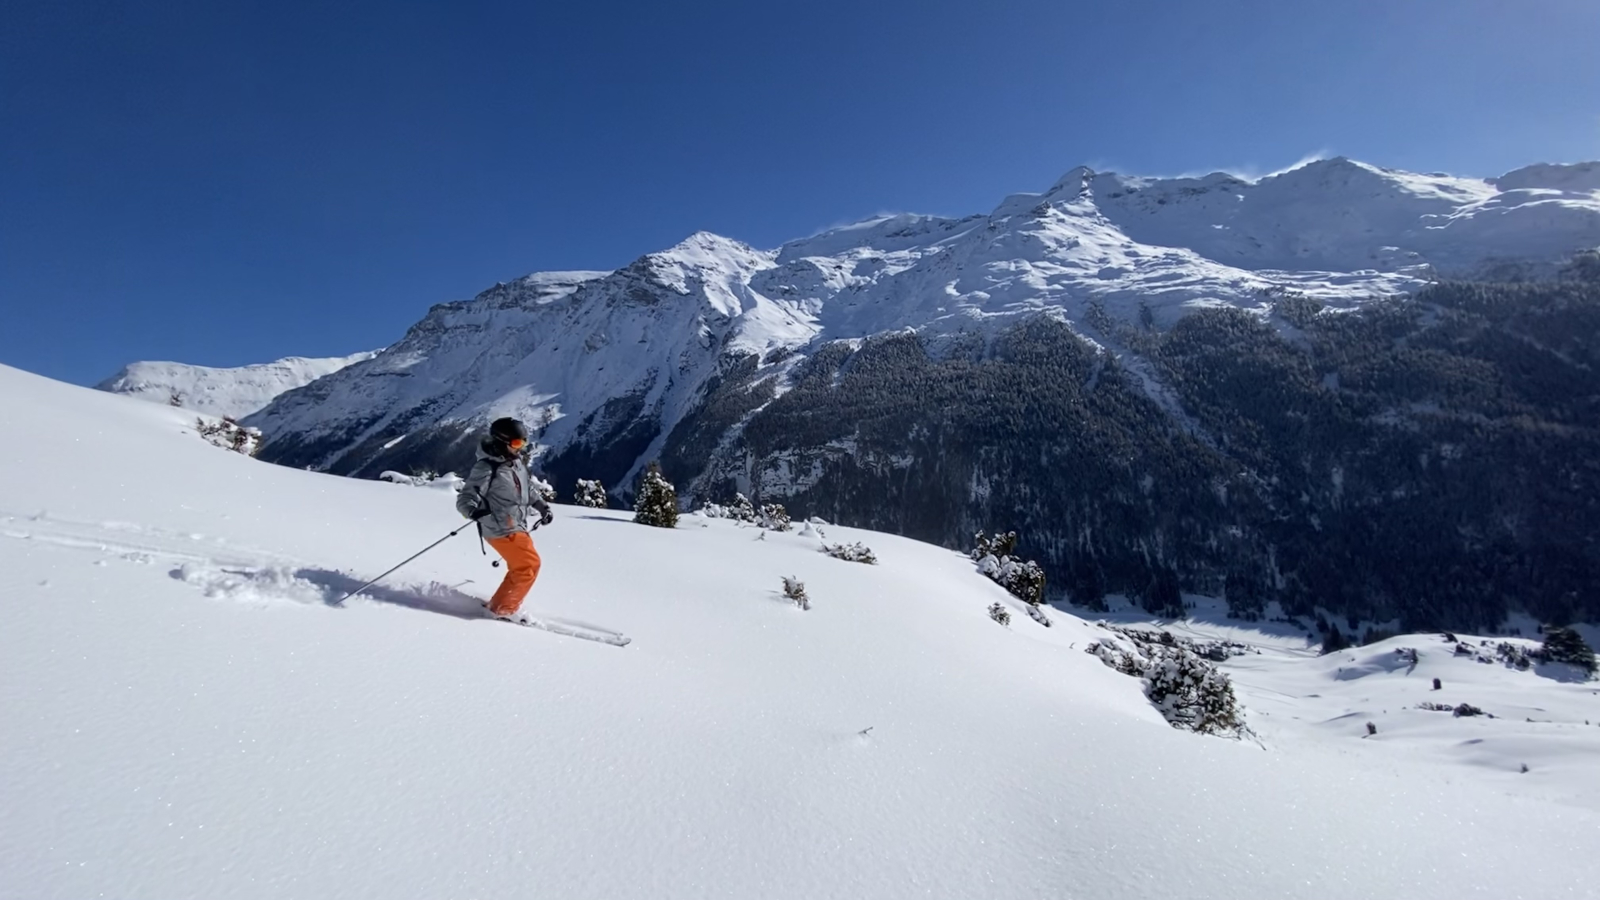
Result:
x=506 y=497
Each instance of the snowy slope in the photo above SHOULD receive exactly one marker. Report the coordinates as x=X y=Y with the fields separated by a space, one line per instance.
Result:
x=188 y=716
x=234 y=392
x=1537 y=739
x=615 y=361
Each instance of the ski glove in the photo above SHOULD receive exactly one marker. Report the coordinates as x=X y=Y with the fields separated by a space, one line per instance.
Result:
x=545 y=516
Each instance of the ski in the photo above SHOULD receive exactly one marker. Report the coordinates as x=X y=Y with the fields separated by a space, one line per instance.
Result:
x=603 y=637
x=593 y=633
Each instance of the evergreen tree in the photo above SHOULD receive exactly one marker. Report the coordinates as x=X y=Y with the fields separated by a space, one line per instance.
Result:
x=774 y=517
x=591 y=493
x=1023 y=578
x=657 y=502
x=1568 y=646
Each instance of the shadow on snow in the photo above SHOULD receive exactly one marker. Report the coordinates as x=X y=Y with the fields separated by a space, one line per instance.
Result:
x=433 y=597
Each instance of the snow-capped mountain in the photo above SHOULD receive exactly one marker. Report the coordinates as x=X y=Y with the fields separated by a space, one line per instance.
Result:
x=590 y=352
x=234 y=392
x=191 y=711
x=1160 y=379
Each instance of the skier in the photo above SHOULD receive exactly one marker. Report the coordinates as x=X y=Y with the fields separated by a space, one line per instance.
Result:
x=497 y=494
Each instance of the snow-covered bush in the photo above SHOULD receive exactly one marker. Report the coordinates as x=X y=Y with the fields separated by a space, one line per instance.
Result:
x=590 y=493
x=1023 y=578
x=1564 y=645
x=856 y=552
x=740 y=510
x=545 y=490
x=773 y=517
x=229 y=435
x=1513 y=655
x=1190 y=692
x=422 y=478
x=999 y=545
x=795 y=590
x=999 y=614
x=657 y=502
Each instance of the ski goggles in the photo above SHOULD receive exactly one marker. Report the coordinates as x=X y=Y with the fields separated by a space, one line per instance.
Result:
x=516 y=444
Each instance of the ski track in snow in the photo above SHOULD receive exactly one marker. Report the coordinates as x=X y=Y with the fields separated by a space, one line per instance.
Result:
x=188 y=716
x=257 y=576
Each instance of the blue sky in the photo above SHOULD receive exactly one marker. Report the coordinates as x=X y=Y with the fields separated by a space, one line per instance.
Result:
x=224 y=183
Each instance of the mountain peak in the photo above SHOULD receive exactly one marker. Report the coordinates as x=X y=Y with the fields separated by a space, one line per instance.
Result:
x=1074 y=182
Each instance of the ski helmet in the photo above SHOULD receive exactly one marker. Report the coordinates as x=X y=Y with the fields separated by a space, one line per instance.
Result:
x=508 y=430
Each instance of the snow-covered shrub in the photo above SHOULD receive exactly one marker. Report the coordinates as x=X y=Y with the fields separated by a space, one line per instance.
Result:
x=795 y=590
x=999 y=545
x=229 y=435
x=1023 y=578
x=1190 y=692
x=771 y=516
x=1564 y=645
x=1466 y=709
x=422 y=478
x=740 y=510
x=1513 y=655
x=590 y=493
x=857 y=552
x=774 y=517
x=657 y=502
x=999 y=614
x=545 y=490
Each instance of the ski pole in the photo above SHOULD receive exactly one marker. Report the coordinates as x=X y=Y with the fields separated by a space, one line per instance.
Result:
x=402 y=563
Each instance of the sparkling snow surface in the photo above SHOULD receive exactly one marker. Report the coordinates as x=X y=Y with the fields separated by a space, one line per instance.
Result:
x=186 y=715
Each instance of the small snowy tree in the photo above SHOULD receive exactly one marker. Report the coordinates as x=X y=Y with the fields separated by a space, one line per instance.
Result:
x=590 y=493
x=1189 y=691
x=740 y=510
x=546 y=490
x=857 y=552
x=999 y=614
x=1023 y=578
x=795 y=590
x=657 y=502
x=1565 y=645
x=774 y=517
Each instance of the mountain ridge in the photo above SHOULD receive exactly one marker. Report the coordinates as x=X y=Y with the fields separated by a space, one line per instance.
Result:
x=985 y=350
x=1058 y=252
x=234 y=392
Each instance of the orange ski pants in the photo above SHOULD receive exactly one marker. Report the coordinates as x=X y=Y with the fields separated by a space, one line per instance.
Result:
x=522 y=567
